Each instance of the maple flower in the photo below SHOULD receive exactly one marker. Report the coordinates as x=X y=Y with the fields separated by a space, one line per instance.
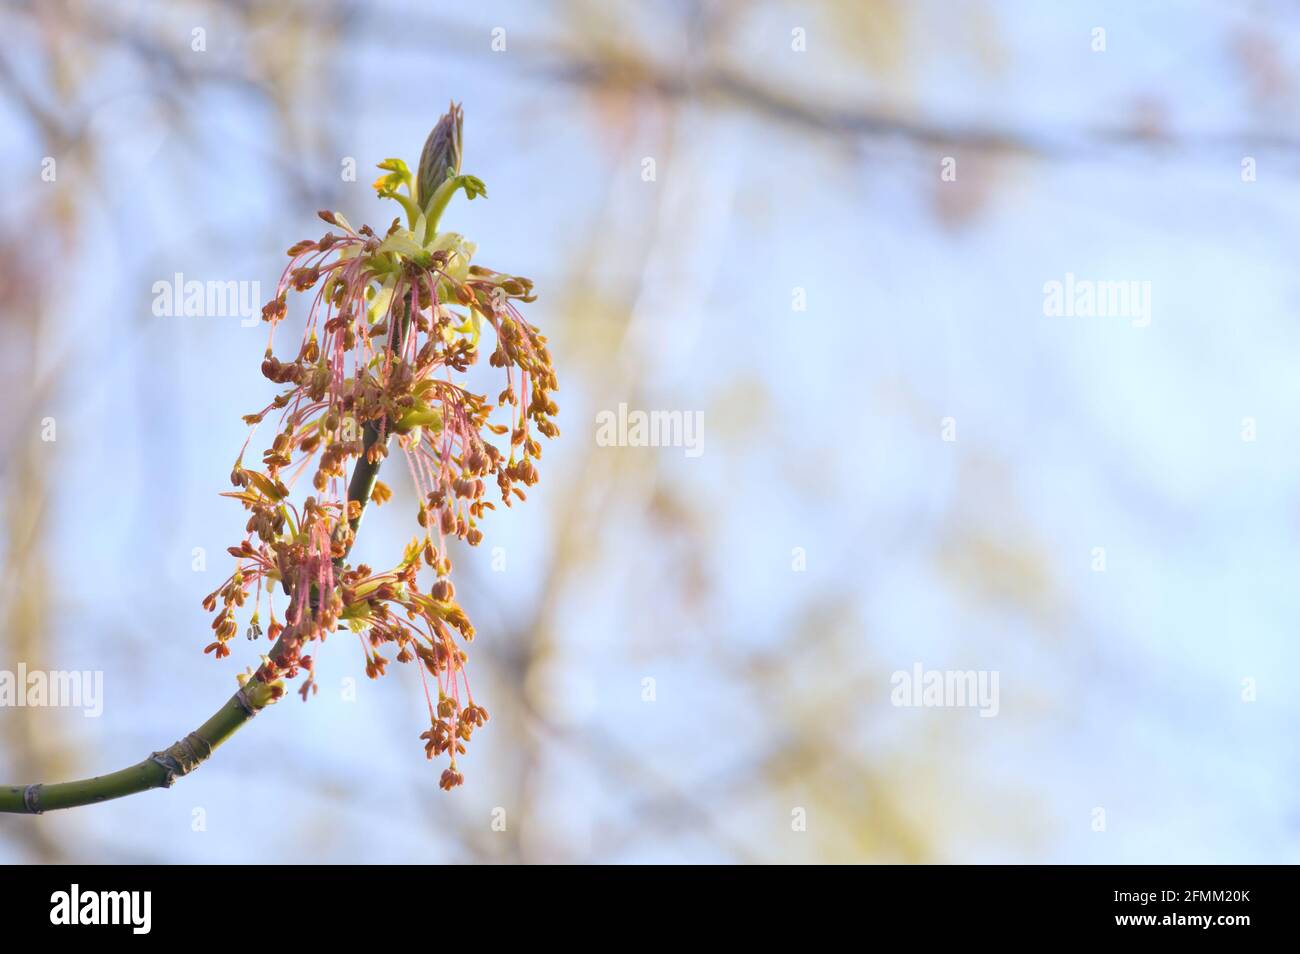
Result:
x=392 y=324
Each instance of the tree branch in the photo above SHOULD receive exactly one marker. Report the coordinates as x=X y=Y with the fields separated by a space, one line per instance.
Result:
x=161 y=769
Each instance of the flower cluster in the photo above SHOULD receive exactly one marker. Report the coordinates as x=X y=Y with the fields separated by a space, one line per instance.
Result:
x=394 y=323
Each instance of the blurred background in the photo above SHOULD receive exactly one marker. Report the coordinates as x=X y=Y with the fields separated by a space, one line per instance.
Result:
x=826 y=226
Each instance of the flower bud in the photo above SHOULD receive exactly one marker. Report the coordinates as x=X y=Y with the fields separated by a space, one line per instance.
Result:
x=440 y=157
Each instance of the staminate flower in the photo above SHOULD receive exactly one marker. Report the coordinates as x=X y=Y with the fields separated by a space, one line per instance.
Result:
x=392 y=325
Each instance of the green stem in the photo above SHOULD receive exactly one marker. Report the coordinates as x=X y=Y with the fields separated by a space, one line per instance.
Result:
x=441 y=197
x=161 y=769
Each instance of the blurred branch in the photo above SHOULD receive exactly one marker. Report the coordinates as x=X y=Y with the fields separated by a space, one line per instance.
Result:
x=748 y=93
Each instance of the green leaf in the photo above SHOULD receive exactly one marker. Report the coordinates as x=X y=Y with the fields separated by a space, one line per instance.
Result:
x=398 y=176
